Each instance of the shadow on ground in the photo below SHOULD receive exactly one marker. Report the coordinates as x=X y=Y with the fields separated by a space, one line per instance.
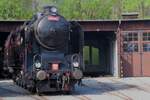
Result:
x=89 y=87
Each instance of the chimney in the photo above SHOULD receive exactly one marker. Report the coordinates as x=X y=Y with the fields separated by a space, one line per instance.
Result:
x=133 y=15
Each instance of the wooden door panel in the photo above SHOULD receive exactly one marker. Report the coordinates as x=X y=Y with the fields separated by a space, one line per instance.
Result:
x=136 y=64
x=145 y=48
x=131 y=65
x=127 y=65
x=146 y=64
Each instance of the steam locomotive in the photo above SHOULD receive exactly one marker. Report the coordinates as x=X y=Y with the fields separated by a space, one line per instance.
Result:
x=45 y=54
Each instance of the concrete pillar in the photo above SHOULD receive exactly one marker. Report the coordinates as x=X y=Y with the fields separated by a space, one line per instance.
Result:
x=116 y=72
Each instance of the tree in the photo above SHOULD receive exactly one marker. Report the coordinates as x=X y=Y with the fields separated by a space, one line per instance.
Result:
x=74 y=9
x=13 y=9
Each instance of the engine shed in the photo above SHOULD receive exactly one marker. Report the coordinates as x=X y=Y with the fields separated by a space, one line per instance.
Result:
x=118 y=48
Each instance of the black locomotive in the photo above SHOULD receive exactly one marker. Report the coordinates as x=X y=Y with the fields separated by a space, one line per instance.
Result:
x=45 y=54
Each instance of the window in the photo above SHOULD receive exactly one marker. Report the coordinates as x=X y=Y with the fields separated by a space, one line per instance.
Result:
x=146 y=36
x=146 y=47
x=130 y=47
x=130 y=37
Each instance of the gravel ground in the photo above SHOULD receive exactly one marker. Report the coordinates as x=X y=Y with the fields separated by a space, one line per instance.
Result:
x=102 y=88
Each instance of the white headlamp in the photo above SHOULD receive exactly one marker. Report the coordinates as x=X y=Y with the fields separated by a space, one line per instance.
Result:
x=53 y=9
x=38 y=65
x=75 y=64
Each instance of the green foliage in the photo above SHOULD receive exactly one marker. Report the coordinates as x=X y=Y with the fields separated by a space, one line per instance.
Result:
x=74 y=9
x=86 y=9
x=131 y=5
x=13 y=9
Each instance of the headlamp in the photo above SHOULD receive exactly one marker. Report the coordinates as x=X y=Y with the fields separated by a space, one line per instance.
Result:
x=53 y=9
x=75 y=64
x=38 y=65
x=75 y=59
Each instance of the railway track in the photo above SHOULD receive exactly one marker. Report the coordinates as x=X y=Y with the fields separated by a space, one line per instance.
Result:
x=116 y=93
x=144 y=89
x=105 y=88
x=110 y=90
x=87 y=92
x=82 y=97
x=35 y=97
